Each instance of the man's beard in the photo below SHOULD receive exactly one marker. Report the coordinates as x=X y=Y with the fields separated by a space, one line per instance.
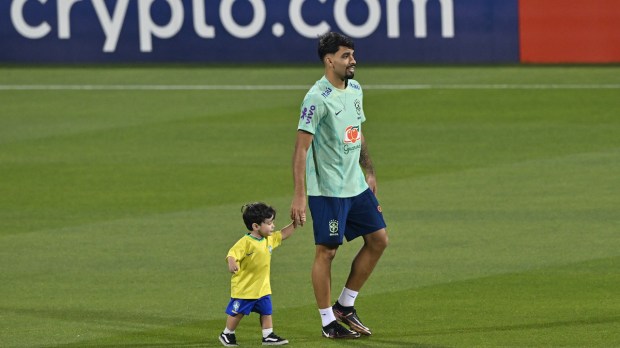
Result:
x=349 y=74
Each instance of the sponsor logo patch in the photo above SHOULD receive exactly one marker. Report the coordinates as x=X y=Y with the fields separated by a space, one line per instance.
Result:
x=352 y=134
x=327 y=92
x=307 y=113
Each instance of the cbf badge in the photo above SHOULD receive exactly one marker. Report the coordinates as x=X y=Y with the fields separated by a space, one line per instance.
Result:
x=270 y=248
x=333 y=227
x=236 y=306
x=358 y=106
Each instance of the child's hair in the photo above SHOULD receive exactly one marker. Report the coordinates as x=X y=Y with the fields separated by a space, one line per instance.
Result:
x=257 y=213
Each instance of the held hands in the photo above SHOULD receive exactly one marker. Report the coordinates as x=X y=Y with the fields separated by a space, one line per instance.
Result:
x=298 y=211
x=300 y=222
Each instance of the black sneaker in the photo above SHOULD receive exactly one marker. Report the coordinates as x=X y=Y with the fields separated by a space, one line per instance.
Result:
x=229 y=340
x=335 y=330
x=348 y=315
x=274 y=340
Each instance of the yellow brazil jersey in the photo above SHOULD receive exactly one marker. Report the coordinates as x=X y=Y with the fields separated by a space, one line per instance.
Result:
x=254 y=258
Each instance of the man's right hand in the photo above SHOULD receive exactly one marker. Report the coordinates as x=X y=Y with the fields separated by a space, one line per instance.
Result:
x=298 y=211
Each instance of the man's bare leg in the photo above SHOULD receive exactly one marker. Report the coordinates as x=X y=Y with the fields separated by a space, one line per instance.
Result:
x=362 y=266
x=366 y=259
x=321 y=274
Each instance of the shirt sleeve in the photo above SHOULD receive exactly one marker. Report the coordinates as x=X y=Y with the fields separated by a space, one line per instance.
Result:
x=276 y=239
x=362 y=106
x=312 y=110
x=237 y=251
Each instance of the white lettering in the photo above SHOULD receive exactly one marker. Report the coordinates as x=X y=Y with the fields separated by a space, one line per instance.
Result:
x=22 y=27
x=200 y=24
x=420 y=29
x=111 y=24
x=447 y=18
x=393 y=15
x=64 y=18
x=148 y=28
x=355 y=31
x=238 y=31
x=299 y=24
x=112 y=15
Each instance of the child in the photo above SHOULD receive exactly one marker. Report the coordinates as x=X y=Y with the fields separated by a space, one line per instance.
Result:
x=249 y=260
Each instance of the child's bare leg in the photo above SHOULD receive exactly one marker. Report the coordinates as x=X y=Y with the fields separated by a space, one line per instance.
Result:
x=266 y=322
x=232 y=322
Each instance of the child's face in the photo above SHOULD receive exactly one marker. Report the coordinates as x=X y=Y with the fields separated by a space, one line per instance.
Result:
x=267 y=227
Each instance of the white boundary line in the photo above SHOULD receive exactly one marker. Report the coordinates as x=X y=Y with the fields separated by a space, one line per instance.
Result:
x=293 y=87
x=148 y=87
x=497 y=86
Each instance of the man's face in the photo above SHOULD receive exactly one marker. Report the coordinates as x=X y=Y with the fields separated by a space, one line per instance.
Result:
x=342 y=62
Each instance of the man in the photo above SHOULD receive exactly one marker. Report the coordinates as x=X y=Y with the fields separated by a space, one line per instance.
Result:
x=329 y=161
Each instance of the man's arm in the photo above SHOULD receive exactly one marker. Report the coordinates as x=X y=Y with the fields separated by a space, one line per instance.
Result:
x=366 y=164
x=298 y=207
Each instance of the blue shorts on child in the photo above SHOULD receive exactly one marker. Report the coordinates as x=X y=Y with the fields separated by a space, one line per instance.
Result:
x=261 y=306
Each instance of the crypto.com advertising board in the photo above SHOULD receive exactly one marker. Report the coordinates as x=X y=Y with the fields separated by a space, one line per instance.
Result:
x=280 y=31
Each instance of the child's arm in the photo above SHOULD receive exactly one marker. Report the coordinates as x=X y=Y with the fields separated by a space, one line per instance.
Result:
x=233 y=267
x=288 y=230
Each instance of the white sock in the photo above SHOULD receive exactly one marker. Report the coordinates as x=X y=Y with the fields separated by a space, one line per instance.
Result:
x=327 y=315
x=267 y=332
x=347 y=297
x=226 y=331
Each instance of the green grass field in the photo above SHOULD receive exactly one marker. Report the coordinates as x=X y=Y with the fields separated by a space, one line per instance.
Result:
x=500 y=187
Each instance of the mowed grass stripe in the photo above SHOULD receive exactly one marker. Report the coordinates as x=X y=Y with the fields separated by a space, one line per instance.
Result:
x=515 y=309
x=518 y=309
x=505 y=218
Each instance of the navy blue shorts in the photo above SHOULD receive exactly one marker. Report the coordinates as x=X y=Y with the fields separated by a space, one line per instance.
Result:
x=261 y=306
x=337 y=218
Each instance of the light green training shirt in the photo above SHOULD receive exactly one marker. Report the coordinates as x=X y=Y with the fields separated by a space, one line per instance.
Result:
x=334 y=116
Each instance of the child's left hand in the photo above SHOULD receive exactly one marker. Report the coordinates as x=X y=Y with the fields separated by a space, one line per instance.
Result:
x=233 y=267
